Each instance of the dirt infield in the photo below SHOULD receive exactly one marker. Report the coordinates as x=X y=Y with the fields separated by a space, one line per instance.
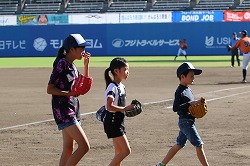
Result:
x=29 y=136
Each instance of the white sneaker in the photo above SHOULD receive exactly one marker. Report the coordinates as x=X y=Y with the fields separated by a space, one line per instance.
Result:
x=243 y=81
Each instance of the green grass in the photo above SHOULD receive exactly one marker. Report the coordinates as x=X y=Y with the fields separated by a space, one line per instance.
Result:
x=134 y=61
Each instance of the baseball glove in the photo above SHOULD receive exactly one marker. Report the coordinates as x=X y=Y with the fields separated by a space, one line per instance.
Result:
x=229 y=48
x=101 y=114
x=136 y=111
x=200 y=110
x=81 y=85
x=184 y=47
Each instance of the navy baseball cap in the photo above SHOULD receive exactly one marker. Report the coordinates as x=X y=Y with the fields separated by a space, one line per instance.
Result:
x=234 y=33
x=75 y=40
x=187 y=66
x=244 y=32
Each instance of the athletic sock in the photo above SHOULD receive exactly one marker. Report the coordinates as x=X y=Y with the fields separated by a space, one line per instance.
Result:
x=161 y=164
x=244 y=72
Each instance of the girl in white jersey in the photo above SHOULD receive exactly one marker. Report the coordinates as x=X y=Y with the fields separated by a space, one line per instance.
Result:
x=115 y=96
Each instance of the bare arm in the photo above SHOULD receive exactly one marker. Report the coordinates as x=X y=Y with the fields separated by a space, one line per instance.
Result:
x=86 y=57
x=112 y=107
x=51 y=89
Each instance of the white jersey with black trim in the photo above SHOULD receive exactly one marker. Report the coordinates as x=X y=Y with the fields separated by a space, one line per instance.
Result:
x=112 y=92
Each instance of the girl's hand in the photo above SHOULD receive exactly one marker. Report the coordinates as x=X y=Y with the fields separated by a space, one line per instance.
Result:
x=129 y=107
x=86 y=56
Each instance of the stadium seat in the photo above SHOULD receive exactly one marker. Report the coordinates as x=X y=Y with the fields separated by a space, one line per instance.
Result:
x=214 y=5
x=170 y=5
x=8 y=7
x=127 y=6
x=42 y=7
x=244 y=5
x=85 y=6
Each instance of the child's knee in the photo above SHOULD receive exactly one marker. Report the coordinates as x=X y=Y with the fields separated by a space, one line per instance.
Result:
x=199 y=147
x=127 y=151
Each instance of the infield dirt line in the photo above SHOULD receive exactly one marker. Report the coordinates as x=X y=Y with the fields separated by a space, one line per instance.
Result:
x=88 y=113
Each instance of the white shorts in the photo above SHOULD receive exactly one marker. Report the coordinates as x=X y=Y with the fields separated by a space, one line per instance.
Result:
x=181 y=52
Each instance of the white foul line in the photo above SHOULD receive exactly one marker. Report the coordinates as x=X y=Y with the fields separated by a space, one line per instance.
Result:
x=89 y=113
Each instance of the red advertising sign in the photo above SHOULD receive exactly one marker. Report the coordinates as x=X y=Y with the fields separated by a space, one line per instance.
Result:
x=237 y=16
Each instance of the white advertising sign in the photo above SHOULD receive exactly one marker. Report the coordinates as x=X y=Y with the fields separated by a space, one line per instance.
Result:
x=8 y=20
x=146 y=17
x=94 y=18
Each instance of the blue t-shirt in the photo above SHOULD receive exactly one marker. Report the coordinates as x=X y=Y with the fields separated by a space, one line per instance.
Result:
x=65 y=108
x=183 y=97
x=233 y=41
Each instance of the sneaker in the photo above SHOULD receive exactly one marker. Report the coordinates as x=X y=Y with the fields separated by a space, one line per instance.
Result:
x=243 y=81
x=160 y=164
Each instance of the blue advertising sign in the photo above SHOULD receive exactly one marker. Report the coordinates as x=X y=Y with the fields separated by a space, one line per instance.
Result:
x=121 y=39
x=198 y=16
x=46 y=40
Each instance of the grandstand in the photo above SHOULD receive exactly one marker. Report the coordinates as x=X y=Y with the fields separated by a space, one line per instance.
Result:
x=84 y=6
x=42 y=7
x=8 y=7
x=170 y=5
x=12 y=7
x=127 y=6
x=244 y=5
x=214 y=4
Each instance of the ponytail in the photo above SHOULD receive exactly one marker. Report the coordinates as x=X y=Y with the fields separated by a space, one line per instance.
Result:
x=116 y=63
x=107 y=77
x=60 y=55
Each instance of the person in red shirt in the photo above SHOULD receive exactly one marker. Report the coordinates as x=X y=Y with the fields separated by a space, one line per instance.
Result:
x=182 y=50
x=244 y=45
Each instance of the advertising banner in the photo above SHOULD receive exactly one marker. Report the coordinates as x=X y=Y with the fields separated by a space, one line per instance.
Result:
x=8 y=20
x=42 y=19
x=121 y=39
x=237 y=16
x=94 y=18
x=145 y=17
x=198 y=16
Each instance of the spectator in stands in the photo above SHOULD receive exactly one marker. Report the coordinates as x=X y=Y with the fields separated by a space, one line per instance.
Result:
x=234 y=52
x=182 y=48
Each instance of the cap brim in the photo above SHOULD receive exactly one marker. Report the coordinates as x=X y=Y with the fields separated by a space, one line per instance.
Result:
x=84 y=44
x=197 y=71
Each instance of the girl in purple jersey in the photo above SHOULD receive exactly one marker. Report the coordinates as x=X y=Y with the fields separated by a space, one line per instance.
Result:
x=65 y=106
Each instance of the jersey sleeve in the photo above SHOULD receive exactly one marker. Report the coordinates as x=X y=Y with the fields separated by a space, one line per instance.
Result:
x=111 y=91
x=57 y=72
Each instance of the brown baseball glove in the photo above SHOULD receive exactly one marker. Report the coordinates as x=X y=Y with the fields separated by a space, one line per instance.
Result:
x=200 y=110
x=81 y=85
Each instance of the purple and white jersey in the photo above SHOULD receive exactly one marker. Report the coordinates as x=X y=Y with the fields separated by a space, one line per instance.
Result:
x=65 y=108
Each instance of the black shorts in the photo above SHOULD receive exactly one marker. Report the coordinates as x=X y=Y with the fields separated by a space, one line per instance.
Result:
x=114 y=124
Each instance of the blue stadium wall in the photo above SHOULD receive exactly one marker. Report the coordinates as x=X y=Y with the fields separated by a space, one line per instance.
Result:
x=208 y=38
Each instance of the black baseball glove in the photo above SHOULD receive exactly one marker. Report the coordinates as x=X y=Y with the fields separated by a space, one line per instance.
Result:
x=229 y=48
x=184 y=47
x=136 y=111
